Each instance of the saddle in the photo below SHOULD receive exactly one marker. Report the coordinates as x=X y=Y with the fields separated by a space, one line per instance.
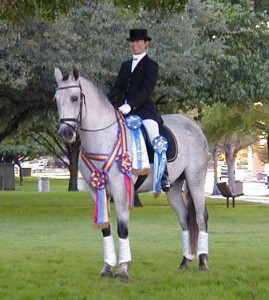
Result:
x=172 y=150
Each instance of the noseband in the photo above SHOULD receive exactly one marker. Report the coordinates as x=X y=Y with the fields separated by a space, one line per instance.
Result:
x=82 y=100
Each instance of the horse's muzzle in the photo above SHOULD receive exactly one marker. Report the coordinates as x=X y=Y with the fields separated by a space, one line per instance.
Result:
x=67 y=133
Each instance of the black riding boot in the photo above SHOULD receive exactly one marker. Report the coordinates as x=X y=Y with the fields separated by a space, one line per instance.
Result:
x=165 y=182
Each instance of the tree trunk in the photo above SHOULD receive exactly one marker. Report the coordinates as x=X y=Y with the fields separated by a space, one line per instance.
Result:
x=73 y=166
x=230 y=154
x=268 y=146
x=215 y=162
x=20 y=175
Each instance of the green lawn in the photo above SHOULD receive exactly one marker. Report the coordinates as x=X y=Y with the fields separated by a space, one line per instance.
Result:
x=50 y=250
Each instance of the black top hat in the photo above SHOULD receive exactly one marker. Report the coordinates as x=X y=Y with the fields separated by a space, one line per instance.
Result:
x=138 y=34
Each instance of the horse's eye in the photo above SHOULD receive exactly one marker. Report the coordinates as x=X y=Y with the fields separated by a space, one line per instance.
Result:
x=74 y=98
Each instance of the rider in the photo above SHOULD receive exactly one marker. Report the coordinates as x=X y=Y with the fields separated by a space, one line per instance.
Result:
x=134 y=85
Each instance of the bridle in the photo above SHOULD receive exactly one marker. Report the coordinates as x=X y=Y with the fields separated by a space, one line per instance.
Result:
x=78 y=119
x=82 y=100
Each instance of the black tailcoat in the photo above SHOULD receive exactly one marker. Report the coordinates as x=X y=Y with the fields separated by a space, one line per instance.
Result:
x=135 y=88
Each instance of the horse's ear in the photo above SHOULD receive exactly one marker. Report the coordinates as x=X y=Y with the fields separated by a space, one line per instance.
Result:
x=58 y=75
x=75 y=73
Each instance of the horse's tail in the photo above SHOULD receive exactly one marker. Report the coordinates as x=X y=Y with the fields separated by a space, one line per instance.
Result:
x=192 y=223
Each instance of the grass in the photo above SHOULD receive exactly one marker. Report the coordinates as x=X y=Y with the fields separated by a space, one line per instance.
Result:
x=50 y=250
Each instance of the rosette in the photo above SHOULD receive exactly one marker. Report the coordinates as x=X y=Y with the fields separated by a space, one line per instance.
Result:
x=99 y=179
x=125 y=163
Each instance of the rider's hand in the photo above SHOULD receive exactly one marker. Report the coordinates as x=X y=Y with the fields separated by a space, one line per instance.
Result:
x=125 y=109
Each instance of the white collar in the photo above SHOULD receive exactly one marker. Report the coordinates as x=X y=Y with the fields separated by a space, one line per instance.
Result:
x=139 y=56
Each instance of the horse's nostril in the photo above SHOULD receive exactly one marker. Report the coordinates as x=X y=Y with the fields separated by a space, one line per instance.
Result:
x=66 y=133
x=70 y=134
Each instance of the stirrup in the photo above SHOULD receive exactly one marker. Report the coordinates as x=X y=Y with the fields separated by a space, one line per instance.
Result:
x=165 y=182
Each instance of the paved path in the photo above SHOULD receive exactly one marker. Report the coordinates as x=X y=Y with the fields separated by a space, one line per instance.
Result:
x=254 y=191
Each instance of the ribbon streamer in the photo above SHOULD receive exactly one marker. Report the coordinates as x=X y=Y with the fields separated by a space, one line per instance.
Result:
x=160 y=146
x=140 y=159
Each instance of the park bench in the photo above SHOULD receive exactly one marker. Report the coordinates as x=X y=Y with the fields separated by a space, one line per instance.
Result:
x=225 y=191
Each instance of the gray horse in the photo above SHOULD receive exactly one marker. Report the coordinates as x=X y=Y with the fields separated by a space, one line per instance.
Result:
x=83 y=107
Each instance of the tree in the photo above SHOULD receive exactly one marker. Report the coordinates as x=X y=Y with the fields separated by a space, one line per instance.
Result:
x=166 y=6
x=261 y=117
x=241 y=74
x=17 y=10
x=229 y=129
x=19 y=147
x=202 y=52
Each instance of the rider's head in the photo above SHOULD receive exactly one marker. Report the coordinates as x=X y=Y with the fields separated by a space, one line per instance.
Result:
x=138 y=40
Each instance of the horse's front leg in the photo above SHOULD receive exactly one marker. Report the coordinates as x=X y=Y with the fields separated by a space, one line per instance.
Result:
x=110 y=258
x=124 y=250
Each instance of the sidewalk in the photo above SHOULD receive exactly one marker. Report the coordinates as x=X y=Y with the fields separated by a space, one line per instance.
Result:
x=254 y=191
x=249 y=198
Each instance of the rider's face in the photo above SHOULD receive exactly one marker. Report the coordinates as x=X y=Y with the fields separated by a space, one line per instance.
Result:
x=138 y=47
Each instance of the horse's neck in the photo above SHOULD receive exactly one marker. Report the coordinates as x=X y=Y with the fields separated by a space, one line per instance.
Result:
x=98 y=110
x=99 y=121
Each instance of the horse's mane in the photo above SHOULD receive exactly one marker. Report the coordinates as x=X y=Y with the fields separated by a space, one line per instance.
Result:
x=101 y=95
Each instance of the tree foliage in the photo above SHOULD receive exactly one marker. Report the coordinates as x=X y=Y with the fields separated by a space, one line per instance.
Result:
x=166 y=6
x=211 y=51
x=17 y=10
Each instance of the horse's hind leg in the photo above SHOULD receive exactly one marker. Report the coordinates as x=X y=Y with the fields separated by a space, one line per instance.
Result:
x=176 y=201
x=196 y=188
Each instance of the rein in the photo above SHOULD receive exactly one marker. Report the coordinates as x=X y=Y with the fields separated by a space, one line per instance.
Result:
x=108 y=159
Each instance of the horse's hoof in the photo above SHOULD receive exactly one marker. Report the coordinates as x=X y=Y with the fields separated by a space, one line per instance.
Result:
x=203 y=266
x=122 y=271
x=184 y=264
x=106 y=271
x=122 y=275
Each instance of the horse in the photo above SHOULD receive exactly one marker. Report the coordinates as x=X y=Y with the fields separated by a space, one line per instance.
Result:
x=83 y=107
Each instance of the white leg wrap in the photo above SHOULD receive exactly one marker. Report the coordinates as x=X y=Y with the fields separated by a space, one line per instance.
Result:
x=186 y=245
x=202 y=243
x=109 y=251
x=124 y=251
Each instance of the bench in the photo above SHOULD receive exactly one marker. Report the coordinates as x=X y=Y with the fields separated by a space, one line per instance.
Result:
x=225 y=191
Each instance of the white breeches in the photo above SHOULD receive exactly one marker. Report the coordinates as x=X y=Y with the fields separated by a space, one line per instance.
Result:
x=152 y=128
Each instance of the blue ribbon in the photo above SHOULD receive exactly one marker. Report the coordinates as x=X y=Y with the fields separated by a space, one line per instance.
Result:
x=101 y=203
x=160 y=146
x=134 y=123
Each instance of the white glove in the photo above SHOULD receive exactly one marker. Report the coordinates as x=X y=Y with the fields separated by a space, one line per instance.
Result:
x=125 y=109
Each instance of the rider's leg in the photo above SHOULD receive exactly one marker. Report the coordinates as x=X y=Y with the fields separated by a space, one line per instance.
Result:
x=152 y=128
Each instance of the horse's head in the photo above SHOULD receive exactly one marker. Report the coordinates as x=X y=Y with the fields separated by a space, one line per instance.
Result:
x=69 y=99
